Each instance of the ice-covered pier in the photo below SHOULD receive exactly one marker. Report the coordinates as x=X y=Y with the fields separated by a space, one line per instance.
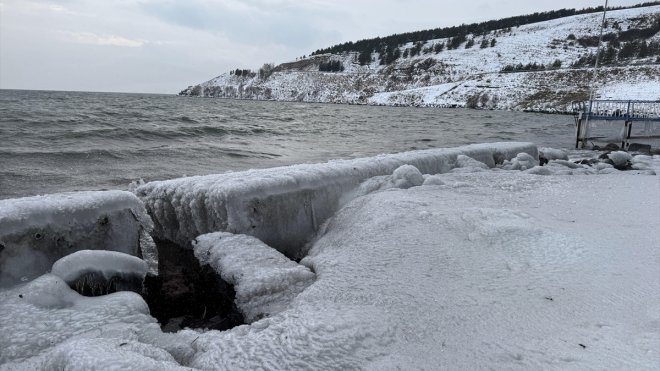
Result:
x=627 y=111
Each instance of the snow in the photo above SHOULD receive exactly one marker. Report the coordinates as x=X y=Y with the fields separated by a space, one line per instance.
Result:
x=265 y=280
x=495 y=269
x=553 y=154
x=522 y=161
x=106 y=263
x=36 y=231
x=501 y=270
x=454 y=77
x=620 y=158
x=285 y=206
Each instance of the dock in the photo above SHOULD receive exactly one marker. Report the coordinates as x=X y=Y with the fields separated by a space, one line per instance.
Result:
x=625 y=111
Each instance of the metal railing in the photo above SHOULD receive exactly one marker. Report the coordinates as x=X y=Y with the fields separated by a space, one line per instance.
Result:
x=628 y=110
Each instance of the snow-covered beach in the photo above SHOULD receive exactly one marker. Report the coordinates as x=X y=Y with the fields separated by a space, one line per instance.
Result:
x=464 y=258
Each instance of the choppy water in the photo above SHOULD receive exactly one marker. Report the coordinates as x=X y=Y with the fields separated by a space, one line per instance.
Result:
x=65 y=141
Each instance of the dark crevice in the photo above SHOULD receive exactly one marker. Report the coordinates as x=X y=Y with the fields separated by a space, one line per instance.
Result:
x=92 y=283
x=186 y=294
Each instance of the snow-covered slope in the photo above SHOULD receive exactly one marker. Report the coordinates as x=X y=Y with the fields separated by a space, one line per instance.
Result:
x=466 y=76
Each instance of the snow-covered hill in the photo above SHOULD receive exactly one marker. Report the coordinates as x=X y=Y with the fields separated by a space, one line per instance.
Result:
x=474 y=76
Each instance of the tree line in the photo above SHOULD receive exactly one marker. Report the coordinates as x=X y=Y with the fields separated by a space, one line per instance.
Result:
x=382 y=44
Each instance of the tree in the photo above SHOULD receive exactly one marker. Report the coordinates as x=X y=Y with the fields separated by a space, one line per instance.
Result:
x=642 y=52
x=610 y=55
x=556 y=63
x=484 y=43
x=364 y=57
x=492 y=42
x=626 y=51
x=266 y=70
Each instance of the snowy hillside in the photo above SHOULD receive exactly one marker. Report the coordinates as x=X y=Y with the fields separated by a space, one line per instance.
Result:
x=538 y=66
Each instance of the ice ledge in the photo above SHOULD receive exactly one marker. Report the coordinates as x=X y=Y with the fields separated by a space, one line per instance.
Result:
x=285 y=206
x=265 y=280
x=37 y=231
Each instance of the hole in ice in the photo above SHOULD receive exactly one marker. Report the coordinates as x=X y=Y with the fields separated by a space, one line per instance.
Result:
x=38 y=236
x=185 y=294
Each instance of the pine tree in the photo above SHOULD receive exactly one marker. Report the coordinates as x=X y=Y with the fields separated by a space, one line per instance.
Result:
x=642 y=52
x=484 y=43
x=492 y=42
x=364 y=57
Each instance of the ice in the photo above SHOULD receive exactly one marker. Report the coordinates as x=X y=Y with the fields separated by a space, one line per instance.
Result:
x=620 y=158
x=36 y=231
x=510 y=271
x=285 y=206
x=265 y=281
x=45 y=312
x=405 y=176
x=486 y=270
x=434 y=180
x=522 y=161
x=552 y=154
x=463 y=161
x=101 y=272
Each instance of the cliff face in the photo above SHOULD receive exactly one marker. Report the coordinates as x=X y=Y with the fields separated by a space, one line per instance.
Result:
x=539 y=66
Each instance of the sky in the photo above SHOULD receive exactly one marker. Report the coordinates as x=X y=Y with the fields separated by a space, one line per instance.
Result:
x=163 y=46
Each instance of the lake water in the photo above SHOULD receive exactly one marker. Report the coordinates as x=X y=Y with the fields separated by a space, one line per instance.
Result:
x=66 y=141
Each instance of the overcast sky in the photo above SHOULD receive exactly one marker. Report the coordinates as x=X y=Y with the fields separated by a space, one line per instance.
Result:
x=162 y=46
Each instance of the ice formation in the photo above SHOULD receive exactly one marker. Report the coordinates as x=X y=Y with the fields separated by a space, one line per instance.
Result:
x=493 y=269
x=552 y=154
x=100 y=272
x=620 y=158
x=36 y=231
x=522 y=161
x=284 y=206
x=265 y=280
x=405 y=176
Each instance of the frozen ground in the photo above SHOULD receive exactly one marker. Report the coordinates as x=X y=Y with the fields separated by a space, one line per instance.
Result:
x=478 y=268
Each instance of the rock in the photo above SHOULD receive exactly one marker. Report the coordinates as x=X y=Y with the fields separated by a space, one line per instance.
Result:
x=641 y=148
x=612 y=147
x=621 y=160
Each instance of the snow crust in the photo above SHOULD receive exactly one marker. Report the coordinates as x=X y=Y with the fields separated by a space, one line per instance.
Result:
x=37 y=231
x=285 y=206
x=265 y=281
x=496 y=269
x=106 y=263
